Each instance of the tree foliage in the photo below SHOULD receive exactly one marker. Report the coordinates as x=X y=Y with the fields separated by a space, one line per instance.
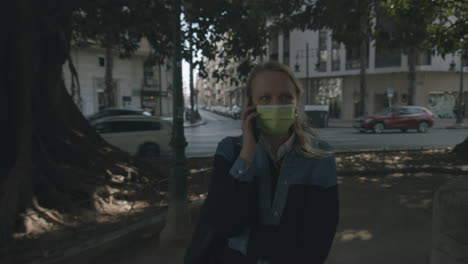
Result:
x=405 y=25
x=450 y=30
x=123 y=23
x=230 y=32
x=223 y=30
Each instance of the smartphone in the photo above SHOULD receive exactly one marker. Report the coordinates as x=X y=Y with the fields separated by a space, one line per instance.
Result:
x=253 y=124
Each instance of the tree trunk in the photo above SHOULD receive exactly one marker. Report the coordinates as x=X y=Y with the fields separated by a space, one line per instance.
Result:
x=109 y=78
x=53 y=154
x=18 y=69
x=192 y=90
x=177 y=220
x=449 y=218
x=462 y=148
x=411 y=76
x=75 y=87
x=362 y=77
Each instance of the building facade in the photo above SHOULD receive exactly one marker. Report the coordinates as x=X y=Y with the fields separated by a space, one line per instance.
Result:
x=330 y=71
x=138 y=84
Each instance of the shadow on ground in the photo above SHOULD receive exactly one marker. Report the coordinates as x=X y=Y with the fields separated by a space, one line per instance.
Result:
x=385 y=219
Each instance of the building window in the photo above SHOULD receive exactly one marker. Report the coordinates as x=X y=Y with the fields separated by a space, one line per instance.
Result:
x=102 y=61
x=352 y=57
x=424 y=58
x=385 y=57
x=273 y=48
x=286 y=48
x=322 y=46
x=148 y=75
x=335 y=55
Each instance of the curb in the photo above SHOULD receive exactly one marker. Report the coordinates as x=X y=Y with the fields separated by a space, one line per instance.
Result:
x=386 y=149
x=457 y=126
x=112 y=237
x=438 y=127
x=199 y=123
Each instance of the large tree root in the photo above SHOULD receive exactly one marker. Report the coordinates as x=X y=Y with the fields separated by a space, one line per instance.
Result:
x=52 y=216
x=462 y=148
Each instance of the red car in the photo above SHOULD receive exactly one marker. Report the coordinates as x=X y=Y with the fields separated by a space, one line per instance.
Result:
x=403 y=118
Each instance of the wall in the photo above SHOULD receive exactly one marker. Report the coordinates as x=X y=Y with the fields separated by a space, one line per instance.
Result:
x=427 y=83
x=298 y=40
x=128 y=74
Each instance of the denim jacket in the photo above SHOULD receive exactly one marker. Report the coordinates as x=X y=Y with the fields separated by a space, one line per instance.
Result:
x=315 y=175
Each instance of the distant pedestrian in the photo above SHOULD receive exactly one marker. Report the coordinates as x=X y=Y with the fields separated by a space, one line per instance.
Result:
x=273 y=195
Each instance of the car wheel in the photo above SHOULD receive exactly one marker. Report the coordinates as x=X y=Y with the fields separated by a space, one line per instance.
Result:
x=378 y=128
x=362 y=131
x=423 y=127
x=149 y=152
x=404 y=130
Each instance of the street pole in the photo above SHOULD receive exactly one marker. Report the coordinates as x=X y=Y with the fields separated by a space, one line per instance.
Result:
x=192 y=95
x=160 y=91
x=307 y=73
x=460 y=93
x=177 y=220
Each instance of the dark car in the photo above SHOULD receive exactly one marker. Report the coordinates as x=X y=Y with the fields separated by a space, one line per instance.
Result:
x=403 y=118
x=114 y=111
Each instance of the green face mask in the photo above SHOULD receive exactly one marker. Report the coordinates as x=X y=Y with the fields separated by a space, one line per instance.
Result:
x=275 y=119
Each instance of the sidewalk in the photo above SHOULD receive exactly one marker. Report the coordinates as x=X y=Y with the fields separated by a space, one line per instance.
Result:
x=383 y=220
x=438 y=123
x=197 y=123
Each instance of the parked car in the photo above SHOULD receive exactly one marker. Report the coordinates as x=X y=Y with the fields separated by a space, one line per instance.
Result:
x=115 y=111
x=403 y=118
x=143 y=136
x=225 y=111
x=235 y=112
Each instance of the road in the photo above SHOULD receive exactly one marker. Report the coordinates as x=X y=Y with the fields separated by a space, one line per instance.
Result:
x=204 y=139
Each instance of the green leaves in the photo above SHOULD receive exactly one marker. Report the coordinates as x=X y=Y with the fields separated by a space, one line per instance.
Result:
x=450 y=32
x=229 y=32
x=437 y=25
x=405 y=24
x=122 y=23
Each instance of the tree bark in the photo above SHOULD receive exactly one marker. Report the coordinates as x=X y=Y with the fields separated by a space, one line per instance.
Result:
x=192 y=90
x=449 y=228
x=362 y=77
x=20 y=70
x=109 y=78
x=53 y=154
x=363 y=63
x=462 y=148
x=177 y=222
x=411 y=76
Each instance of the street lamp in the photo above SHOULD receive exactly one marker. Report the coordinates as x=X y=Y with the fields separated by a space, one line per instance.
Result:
x=298 y=69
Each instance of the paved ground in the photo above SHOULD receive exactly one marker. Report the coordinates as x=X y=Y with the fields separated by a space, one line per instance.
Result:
x=438 y=123
x=203 y=139
x=384 y=220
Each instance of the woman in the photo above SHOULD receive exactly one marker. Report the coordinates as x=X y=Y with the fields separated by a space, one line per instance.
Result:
x=273 y=196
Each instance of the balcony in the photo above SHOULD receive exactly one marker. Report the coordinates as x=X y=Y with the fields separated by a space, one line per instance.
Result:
x=150 y=84
x=387 y=61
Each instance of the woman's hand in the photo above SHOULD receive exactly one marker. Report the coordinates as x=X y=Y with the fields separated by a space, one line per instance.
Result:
x=249 y=144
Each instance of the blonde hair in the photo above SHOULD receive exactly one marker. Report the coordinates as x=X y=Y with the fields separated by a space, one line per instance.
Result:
x=306 y=137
